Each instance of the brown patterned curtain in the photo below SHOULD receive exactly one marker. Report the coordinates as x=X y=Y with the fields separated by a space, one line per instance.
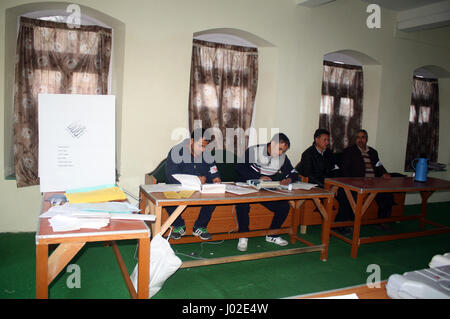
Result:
x=223 y=86
x=52 y=58
x=342 y=103
x=423 y=131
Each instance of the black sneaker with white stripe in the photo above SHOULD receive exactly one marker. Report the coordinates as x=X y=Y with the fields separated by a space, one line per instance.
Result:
x=202 y=233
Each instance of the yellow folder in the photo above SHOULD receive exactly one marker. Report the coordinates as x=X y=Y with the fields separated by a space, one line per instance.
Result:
x=97 y=196
x=181 y=194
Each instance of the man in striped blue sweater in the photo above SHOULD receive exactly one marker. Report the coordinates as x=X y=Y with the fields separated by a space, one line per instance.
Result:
x=266 y=162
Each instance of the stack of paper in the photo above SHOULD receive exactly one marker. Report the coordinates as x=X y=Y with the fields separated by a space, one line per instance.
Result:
x=213 y=188
x=61 y=223
x=161 y=188
x=91 y=209
x=240 y=190
x=69 y=217
x=301 y=185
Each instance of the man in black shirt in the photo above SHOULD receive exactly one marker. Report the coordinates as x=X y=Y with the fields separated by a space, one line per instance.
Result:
x=318 y=161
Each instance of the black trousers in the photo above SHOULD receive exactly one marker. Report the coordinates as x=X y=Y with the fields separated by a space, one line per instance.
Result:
x=279 y=208
x=202 y=220
x=385 y=201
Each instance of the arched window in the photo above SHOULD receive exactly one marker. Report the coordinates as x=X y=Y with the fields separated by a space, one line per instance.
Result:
x=342 y=96
x=224 y=78
x=423 y=130
x=52 y=56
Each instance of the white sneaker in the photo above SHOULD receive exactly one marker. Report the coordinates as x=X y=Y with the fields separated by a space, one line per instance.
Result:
x=242 y=244
x=277 y=240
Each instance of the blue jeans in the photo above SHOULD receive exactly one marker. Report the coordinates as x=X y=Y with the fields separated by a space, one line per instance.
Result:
x=279 y=208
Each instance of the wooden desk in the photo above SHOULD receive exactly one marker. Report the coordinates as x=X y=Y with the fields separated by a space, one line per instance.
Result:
x=368 y=188
x=362 y=291
x=154 y=203
x=70 y=242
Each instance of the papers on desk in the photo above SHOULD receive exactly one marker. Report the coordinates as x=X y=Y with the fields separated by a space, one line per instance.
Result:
x=61 y=223
x=162 y=187
x=74 y=209
x=298 y=185
x=193 y=183
x=111 y=207
x=213 y=189
x=238 y=190
x=70 y=217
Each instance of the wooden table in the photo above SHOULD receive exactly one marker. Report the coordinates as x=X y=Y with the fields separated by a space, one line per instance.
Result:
x=70 y=242
x=368 y=188
x=155 y=201
x=361 y=291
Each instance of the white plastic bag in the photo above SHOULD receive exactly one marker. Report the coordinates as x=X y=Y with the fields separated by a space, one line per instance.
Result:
x=163 y=264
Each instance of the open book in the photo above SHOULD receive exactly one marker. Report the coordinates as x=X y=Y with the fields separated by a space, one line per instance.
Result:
x=259 y=184
x=192 y=182
x=298 y=185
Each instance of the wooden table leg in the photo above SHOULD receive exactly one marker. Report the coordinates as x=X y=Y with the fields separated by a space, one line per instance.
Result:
x=326 y=224
x=41 y=271
x=177 y=212
x=357 y=224
x=295 y=218
x=143 y=268
x=327 y=228
x=59 y=259
x=423 y=209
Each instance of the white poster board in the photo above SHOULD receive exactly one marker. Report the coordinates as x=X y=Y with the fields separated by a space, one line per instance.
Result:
x=76 y=141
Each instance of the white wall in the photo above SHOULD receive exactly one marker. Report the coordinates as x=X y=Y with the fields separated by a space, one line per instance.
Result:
x=157 y=53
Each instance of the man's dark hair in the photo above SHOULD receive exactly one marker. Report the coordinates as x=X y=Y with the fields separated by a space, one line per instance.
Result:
x=320 y=132
x=199 y=133
x=281 y=138
x=362 y=131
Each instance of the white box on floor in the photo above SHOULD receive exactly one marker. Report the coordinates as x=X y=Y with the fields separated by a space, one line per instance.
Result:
x=431 y=283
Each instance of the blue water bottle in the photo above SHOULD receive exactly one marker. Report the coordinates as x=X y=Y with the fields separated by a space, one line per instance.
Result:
x=421 y=169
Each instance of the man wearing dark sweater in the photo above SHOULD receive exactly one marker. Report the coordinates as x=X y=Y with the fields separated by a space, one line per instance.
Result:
x=266 y=162
x=360 y=160
x=187 y=158
x=318 y=161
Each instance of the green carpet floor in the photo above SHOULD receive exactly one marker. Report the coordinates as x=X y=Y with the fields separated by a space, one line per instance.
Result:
x=277 y=277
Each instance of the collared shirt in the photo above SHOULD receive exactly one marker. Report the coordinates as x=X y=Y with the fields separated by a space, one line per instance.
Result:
x=319 y=151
